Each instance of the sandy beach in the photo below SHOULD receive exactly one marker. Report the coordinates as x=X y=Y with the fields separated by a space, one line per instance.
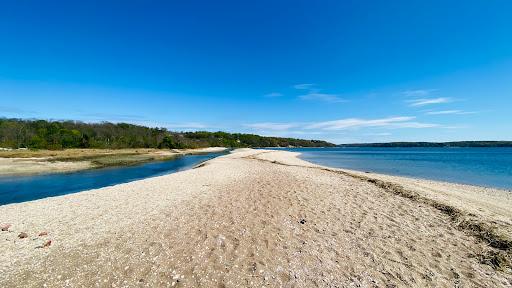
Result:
x=261 y=218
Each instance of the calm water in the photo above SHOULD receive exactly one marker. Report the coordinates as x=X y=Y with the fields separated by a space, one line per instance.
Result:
x=491 y=167
x=26 y=188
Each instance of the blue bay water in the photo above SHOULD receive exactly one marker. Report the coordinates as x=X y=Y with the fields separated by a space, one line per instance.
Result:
x=490 y=167
x=26 y=188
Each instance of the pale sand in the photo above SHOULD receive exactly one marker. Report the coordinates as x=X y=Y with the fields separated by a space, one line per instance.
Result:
x=53 y=164
x=236 y=222
x=27 y=166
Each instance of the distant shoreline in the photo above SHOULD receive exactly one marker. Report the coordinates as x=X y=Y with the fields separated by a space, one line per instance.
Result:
x=454 y=144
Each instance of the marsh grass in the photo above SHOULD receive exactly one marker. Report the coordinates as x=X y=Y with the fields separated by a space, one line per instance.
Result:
x=75 y=154
x=97 y=157
x=126 y=160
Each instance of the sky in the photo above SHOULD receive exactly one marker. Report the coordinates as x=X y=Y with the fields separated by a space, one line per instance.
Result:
x=342 y=71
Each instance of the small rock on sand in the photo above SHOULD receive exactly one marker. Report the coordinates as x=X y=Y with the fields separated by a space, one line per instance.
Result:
x=46 y=244
x=22 y=235
x=44 y=233
x=5 y=227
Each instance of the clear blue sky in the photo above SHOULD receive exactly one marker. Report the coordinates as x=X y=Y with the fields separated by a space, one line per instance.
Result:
x=342 y=71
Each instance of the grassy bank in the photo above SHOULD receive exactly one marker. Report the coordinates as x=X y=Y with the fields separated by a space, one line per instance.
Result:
x=24 y=162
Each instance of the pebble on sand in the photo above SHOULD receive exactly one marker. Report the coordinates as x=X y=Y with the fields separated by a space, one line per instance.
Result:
x=46 y=244
x=44 y=233
x=22 y=235
x=5 y=227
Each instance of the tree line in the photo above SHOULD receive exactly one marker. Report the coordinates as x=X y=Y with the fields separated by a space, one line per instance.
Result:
x=42 y=134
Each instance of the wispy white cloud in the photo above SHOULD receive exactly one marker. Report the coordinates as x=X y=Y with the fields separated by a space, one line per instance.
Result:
x=354 y=123
x=112 y=117
x=413 y=125
x=15 y=110
x=303 y=86
x=185 y=125
x=301 y=132
x=378 y=134
x=271 y=126
x=343 y=124
x=273 y=95
x=314 y=95
x=418 y=92
x=428 y=101
x=448 y=112
x=460 y=126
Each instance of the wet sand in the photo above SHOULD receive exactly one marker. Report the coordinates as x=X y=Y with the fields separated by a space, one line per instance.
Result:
x=259 y=218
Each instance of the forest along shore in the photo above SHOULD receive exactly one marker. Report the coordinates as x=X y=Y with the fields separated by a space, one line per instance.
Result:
x=257 y=218
x=29 y=162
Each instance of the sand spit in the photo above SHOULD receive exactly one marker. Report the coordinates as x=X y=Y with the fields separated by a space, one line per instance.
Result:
x=27 y=166
x=255 y=218
x=28 y=162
